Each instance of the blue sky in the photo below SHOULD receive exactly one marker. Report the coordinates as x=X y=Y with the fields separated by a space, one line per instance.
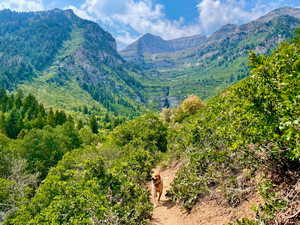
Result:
x=129 y=19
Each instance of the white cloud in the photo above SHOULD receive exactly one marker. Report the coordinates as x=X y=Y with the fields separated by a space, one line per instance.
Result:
x=143 y=16
x=146 y=16
x=81 y=13
x=126 y=38
x=22 y=5
x=128 y=19
x=215 y=13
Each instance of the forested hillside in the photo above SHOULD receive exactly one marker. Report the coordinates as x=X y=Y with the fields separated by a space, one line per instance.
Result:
x=65 y=61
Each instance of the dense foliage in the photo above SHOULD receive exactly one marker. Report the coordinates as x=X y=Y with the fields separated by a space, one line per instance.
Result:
x=100 y=183
x=252 y=127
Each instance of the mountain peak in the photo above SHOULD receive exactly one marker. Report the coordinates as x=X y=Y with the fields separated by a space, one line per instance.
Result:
x=227 y=28
x=150 y=37
x=73 y=51
x=153 y=44
x=295 y=12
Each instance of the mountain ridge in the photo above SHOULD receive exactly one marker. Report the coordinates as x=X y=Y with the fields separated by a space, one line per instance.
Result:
x=227 y=28
x=152 y=44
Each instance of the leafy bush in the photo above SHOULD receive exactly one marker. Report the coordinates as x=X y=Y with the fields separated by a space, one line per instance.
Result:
x=146 y=132
x=44 y=148
x=192 y=104
x=80 y=190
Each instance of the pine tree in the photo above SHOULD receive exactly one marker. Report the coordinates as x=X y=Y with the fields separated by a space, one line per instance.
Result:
x=60 y=117
x=80 y=124
x=13 y=124
x=19 y=98
x=94 y=125
x=2 y=122
x=3 y=100
x=51 y=118
x=85 y=110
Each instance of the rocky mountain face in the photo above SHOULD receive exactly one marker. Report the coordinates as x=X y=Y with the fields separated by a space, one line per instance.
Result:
x=65 y=60
x=220 y=59
x=150 y=44
x=187 y=42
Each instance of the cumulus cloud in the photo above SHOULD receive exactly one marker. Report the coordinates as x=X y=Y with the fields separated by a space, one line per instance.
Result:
x=22 y=5
x=146 y=16
x=81 y=13
x=215 y=13
x=143 y=16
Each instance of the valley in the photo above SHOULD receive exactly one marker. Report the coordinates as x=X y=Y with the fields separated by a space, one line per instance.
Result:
x=207 y=65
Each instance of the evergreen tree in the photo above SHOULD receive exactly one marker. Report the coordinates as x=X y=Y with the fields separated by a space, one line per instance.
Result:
x=94 y=125
x=51 y=118
x=80 y=124
x=18 y=102
x=3 y=100
x=60 y=117
x=13 y=124
x=2 y=122
x=85 y=110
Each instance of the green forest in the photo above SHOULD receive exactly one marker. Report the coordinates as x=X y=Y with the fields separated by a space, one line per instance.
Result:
x=59 y=167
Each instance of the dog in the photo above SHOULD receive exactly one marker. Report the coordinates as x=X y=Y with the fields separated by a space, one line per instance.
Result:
x=157 y=187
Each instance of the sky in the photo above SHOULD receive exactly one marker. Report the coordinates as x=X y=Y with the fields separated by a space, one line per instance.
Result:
x=127 y=20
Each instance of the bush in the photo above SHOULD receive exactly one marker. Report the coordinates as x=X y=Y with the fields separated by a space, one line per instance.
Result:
x=192 y=104
x=146 y=132
x=80 y=190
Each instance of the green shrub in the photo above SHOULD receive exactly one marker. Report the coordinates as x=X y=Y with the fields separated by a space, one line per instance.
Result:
x=146 y=132
x=79 y=190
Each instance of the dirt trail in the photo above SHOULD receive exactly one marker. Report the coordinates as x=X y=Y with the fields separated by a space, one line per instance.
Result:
x=207 y=212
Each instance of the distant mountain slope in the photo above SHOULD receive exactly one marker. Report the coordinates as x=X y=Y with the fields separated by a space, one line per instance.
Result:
x=66 y=61
x=220 y=60
x=151 y=44
x=187 y=42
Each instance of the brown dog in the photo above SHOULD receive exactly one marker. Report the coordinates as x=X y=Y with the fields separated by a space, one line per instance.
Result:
x=157 y=188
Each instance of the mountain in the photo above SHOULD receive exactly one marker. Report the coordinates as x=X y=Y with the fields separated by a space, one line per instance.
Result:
x=146 y=44
x=65 y=61
x=218 y=60
x=151 y=44
x=70 y=63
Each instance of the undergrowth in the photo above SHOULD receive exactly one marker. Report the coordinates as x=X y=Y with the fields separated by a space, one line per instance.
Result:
x=253 y=126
